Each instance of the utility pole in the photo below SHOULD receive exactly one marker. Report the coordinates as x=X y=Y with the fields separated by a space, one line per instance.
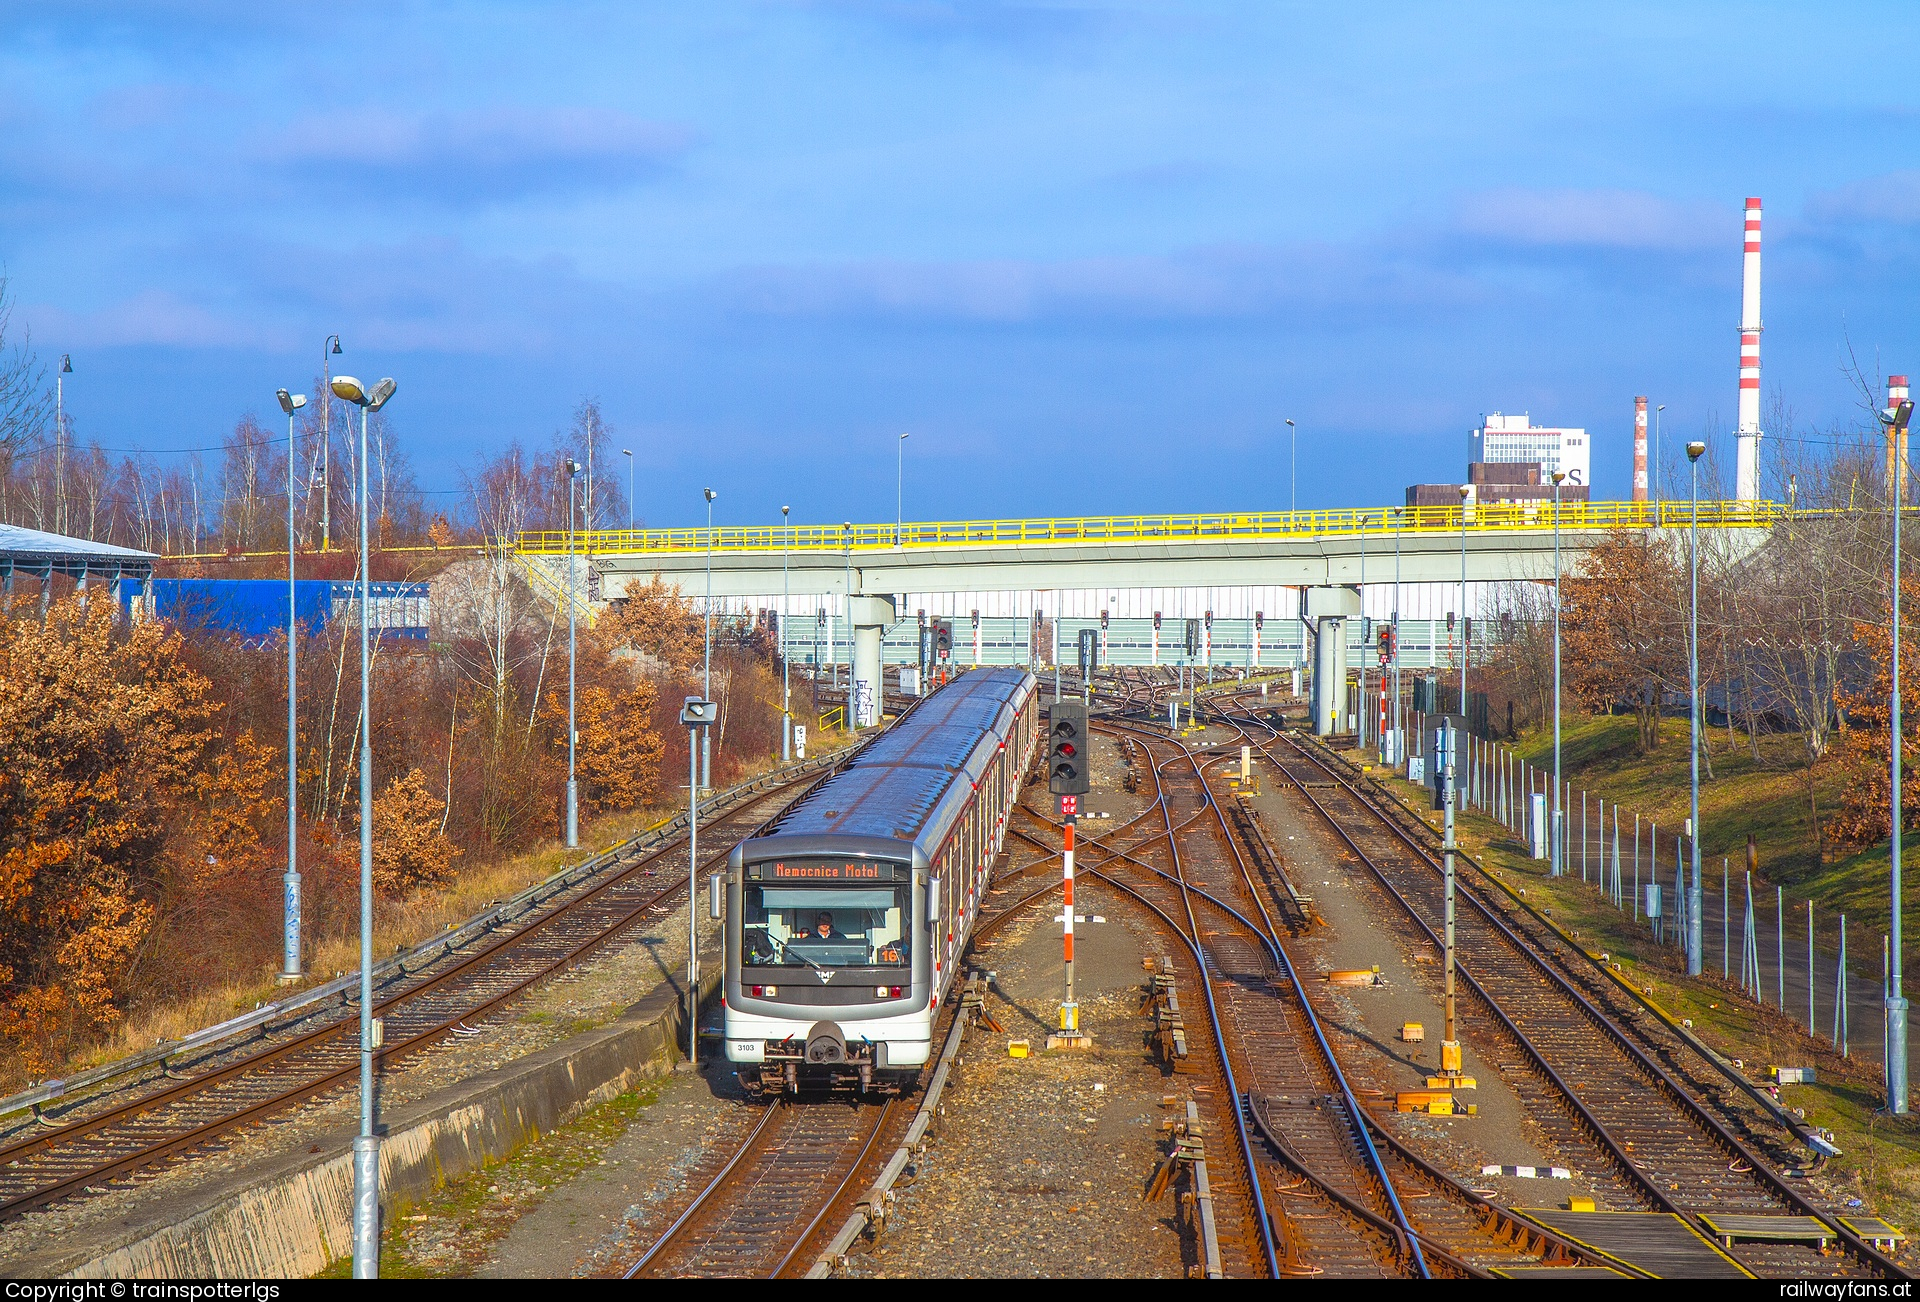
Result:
x=1450 y=1057
x=786 y=679
x=1556 y=852
x=329 y=349
x=1694 y=891
x=573 y=734
x=290 y=907
x=698 y=714
x=1897 y=420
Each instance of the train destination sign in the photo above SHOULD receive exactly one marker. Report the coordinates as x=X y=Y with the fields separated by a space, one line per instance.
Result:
x=819 y=870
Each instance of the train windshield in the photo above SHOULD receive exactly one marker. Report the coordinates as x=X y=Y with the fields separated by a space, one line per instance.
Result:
x=825 y=926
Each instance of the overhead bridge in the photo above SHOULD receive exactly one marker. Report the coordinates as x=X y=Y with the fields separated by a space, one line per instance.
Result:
x=1490 y=543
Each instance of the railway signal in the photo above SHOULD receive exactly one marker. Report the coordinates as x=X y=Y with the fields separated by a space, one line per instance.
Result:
x=1193 y=638
x=1067 y=766
x=1068 y=776
x=943 y=639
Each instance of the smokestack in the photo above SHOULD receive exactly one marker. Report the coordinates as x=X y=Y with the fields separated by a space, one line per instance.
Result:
x=1639 y=449
x=1747 y=462
x=1897 y=456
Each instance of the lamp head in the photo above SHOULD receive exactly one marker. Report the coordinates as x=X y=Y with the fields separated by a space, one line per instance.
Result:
x=1289 y=424
x=381 y=392
x=1901 y=414
x=336 y=345
x=66 y=364
x=290 y=402
x=572 y=468
x=1661 y=407
x=626 y=452
x=1466 y=491
x=1559 y=476
x=1695 y=449
x=348 y=389
x=783 y=511
x=710 y=494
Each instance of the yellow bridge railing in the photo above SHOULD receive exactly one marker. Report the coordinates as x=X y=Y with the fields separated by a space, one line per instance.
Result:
x=1527 y=517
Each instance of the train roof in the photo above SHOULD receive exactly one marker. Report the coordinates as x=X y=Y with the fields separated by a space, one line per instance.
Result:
x=900 y=796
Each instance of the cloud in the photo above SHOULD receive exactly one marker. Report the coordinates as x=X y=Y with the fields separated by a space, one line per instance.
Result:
x=481 y=153
x=1217 y=282
x=1599 y=219
x=1893 y=198
x=153 y=317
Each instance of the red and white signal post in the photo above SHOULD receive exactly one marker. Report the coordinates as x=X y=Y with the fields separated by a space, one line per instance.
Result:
x=1069 y=778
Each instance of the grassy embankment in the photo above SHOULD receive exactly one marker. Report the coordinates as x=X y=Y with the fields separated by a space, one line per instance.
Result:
x=1767 y=798
x=396 y=924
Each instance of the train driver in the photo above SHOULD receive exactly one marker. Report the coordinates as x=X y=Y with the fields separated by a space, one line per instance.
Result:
x=823 y=929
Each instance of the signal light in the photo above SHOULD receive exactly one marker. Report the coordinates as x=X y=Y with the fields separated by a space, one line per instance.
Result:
x=1066 y=776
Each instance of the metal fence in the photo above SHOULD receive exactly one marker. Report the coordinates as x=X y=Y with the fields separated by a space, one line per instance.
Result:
x=1521 y=517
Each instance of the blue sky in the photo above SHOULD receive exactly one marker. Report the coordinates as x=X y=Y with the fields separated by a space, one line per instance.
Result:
x=1091 y=256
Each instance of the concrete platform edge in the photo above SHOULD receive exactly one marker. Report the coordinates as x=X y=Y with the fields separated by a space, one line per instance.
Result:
x=290 y=1216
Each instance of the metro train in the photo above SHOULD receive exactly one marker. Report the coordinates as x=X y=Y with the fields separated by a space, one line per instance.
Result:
x=846 y=919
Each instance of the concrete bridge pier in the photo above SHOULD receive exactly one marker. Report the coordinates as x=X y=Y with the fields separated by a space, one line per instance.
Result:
x=1327 y=610
x=870 y=616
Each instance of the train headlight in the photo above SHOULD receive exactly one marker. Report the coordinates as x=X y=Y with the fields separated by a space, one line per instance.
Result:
x=766 y=992
x=880 y=991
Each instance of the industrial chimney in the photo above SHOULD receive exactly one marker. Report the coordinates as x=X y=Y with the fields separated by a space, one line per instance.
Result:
x=1747 y=461
x=1639 y=449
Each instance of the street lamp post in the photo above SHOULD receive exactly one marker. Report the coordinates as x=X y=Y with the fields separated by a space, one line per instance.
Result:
x=706 y=673
x=60 y=443
x=899 y=487
x=1293 y=476
x=1399 y=740
x=573 y=733
x=1693 y=714
x=329 y=349
x=786 y=678
x=290 y=906
x=1898 y=419
x=1556 y=853
x=628 y=454
x=366 y=1145
x=1659 y=481
x=1466 y=620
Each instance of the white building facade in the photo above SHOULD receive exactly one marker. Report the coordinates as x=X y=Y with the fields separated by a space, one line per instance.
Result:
x=1516 y=438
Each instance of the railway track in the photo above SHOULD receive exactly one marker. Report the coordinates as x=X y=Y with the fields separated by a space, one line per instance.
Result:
x=131 y=1131
x=767 y=1203
x=1587 y=1063
x=1344 y=1197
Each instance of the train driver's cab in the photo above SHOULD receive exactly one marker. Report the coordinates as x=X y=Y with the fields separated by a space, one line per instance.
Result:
x=825 y=927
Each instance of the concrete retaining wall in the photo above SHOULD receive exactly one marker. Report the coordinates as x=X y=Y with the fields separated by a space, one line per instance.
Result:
x=291 y=1216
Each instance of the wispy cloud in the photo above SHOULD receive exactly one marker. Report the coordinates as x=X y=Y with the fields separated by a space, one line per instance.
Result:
x=1893 y=198
x=1606 y=219
x=1226 y=281
x=488 y=153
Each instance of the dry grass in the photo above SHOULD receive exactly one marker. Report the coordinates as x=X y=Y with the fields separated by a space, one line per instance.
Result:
x=397 y=924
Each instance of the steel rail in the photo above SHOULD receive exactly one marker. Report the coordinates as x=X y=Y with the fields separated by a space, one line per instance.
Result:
x=264 y=1063
x=1690 y=1107
x=1277 y=953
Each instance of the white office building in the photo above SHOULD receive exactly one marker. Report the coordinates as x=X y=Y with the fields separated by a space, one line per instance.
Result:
x=1516 y=438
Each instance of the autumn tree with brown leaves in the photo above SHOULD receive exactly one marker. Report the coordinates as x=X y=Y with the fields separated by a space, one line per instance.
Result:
x=410 y=845
x=107 y=745
x=1623 y=628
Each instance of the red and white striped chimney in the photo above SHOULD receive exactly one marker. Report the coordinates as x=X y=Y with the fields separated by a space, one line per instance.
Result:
x=1747 y=460
x=1639 y=449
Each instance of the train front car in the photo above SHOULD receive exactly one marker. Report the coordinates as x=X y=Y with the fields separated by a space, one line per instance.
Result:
x=843 y=921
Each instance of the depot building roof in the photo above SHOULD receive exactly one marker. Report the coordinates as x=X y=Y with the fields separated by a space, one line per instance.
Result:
x=35 y=551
